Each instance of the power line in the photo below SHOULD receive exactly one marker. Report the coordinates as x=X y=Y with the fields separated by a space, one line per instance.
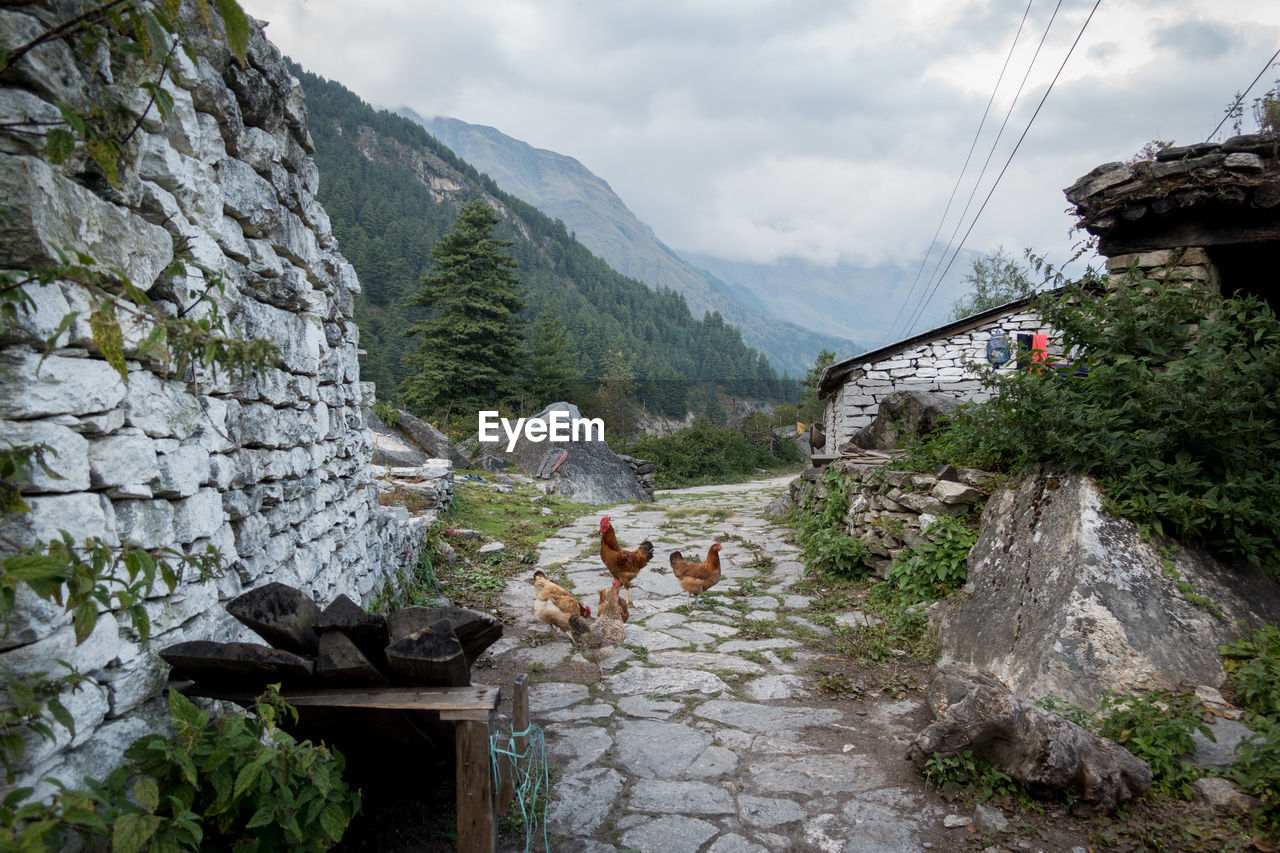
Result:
x=960 y=177
x=1242 y=95
x=933 y=276
x=976 y=216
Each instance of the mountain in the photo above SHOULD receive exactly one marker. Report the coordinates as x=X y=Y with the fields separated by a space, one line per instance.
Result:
x=391 y=190
x=850 y=301
x=564 y=189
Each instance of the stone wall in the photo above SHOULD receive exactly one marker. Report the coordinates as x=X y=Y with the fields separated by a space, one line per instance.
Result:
x=274 y=471
x=890 y=510
x=939 y=365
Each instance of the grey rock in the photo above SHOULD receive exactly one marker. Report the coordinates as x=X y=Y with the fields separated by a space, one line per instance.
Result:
x=667 y=797
x=674 y=834
x=67 y=460
x=583 y=800
x=592 y=473
x=657 y=750
x=1241 y=161
x=815 y=775
x=145 y=524
x=1223 y=794
x=128 y=457
x=1039 y=749
x=76 y=386
x=670 y=681
x=764 y=719
x=989 y=819
x=715 y=761
x=952 y=821
x=734 y=843
x=768 y=812
x=1219 y=753
x=577 y=747
x=1099 y=612
x=550 y=696
x=645 y=708
x=903 y=415
x=37 y=228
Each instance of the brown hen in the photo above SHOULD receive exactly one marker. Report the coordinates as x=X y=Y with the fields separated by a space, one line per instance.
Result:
x=623 y=565
x=697 y=578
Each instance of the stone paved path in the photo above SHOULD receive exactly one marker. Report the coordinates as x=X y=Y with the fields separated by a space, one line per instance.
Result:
x=700 y=741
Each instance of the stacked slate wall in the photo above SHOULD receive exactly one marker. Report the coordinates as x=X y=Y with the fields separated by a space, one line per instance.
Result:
x=940 y=365
x=274 y=471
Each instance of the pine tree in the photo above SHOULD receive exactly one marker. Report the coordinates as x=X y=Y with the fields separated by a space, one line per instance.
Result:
x=470 y=345
x=552 y=368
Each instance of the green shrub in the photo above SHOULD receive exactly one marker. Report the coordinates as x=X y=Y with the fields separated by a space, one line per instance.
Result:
x=938 y=567
x=1253 y=665
x=1177 y=416
x=825 y=543
x=1156 y=727
x=967 y=771
x=706 y=453
x=238 y=783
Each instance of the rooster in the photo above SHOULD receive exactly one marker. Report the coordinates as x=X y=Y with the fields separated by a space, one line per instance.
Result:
x=600 y=638
x=623 y=565
x=554 y=604
x=697 y=578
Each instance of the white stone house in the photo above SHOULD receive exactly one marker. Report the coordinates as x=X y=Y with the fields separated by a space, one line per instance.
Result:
x=939 y=360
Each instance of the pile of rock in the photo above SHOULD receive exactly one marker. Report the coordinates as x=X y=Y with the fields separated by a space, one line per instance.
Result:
x=1169 y=200
x=644 y=470
x=431 y=483
x=890 y=510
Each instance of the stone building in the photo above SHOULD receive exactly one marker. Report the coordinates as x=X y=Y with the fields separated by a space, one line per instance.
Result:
x=940 y=360
x=1218 y=202
x=274 y=471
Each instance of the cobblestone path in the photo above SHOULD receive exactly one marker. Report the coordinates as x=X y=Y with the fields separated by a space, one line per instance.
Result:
x=701 y=741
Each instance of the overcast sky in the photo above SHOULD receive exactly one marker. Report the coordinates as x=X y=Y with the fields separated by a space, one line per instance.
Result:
x=828 y=131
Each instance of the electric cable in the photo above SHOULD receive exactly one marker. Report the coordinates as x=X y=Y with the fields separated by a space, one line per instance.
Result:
x=1242 y=95
x=960 y=177
x=933 y=276
x=991 y=192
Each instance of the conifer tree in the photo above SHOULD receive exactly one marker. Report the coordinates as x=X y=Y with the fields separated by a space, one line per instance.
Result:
x=470 y=345
x=552 y=367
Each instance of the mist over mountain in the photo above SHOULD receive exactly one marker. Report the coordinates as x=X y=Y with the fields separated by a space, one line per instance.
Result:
x=563 y=188
x=856 y=302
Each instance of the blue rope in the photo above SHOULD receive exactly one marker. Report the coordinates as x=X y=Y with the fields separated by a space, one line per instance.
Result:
x=531 y=781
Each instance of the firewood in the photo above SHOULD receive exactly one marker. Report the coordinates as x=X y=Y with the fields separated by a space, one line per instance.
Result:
x=245 y=664
x=431 y=656
x=342 y=662
x=279 y=614
x=367 y=630
x=475 y=631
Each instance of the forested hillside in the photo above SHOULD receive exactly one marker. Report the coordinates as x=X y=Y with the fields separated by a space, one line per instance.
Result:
x=392 y=190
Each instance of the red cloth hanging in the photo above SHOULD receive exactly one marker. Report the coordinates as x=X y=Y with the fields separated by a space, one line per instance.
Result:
x=1039 y=353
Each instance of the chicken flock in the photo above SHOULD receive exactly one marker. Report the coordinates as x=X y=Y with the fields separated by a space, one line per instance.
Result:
x=596 y=639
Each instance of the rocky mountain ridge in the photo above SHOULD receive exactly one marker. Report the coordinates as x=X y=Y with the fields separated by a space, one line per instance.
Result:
x=563 y=188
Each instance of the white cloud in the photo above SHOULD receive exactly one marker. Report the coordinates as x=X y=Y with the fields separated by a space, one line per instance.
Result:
x=765 y=129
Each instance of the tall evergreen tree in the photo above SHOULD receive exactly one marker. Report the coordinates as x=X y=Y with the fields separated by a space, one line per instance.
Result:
x=469 y=346
x=552 y=368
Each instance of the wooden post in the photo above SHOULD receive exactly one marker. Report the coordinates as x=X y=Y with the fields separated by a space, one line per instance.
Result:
x=508 y=772
x=477 y=820
x=520 y=717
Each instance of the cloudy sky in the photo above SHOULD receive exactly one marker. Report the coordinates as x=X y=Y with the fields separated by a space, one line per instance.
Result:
x=826 y=131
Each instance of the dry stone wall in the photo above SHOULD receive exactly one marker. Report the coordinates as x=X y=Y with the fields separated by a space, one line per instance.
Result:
x=275 y=471
x=940 y=365
x=891 y=510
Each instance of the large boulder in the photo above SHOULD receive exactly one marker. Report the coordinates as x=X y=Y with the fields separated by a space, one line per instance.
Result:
x=1048 y=754
x=432 y=440
x=902 y=416
x=1064 y=600
x=591 y=473
x=411 y=442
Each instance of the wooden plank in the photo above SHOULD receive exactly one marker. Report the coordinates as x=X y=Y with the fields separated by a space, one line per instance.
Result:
x=478 y=698
x=283 y=616
x=477 y=820
x=246 y=665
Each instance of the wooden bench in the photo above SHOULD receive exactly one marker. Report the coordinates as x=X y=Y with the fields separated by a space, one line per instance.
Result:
x=469 y=709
